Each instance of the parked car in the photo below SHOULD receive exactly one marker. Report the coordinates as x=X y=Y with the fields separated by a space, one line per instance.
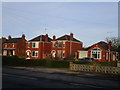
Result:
x=86 y=59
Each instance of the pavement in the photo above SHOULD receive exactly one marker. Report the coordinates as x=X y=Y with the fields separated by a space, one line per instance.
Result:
x=73 y=73
x=93 y=79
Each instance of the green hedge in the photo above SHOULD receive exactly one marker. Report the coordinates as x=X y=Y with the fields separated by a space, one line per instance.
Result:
x=15 y=61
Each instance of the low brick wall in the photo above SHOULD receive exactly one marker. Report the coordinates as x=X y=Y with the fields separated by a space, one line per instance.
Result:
x=94 y=68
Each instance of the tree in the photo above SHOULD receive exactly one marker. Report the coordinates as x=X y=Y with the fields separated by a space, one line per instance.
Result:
x=115 y=43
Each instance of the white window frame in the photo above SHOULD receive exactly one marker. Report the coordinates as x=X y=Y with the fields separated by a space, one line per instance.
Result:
x=61 y=45
x=5 y=45
x=13 y=45
x=36 y=44
x=98 y=52
x=107 y=56
x=35 y=53
x=33 y=45
x=13 y=52
x=28 y=45
x=53 y=44
x=4 y=52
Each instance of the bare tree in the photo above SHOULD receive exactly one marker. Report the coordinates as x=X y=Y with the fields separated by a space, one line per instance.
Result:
x=115 y=41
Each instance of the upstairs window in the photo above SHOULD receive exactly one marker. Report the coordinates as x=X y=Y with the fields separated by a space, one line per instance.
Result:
x=53 y=44
x=33 y=45
x=60 y=44
x=28 y=44
x=63 y=45
x=5 y=45
x=13 y=45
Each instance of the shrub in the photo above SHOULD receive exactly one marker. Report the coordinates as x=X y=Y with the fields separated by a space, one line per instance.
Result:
x=15 y=61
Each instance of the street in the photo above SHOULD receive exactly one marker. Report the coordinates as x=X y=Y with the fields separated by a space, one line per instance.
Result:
x=15 y=81
x=16 y=78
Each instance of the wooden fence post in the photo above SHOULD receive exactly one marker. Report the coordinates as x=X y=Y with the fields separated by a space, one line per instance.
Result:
x=118 y=64
x=94 y=67
x=70 y=66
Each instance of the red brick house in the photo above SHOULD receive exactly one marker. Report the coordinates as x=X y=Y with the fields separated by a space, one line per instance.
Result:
x=65 y=46
x=13 y=46
x=100 y=51
x=38 y=47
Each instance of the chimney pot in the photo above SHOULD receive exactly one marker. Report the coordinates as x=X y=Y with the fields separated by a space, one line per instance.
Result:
x=23 y=36
x=46 y=37
x=54 y=37
x=9 y=37
x=71 y=36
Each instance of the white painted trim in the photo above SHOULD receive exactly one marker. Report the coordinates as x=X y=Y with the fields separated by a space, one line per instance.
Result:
x=28 y=50
x=37 y=54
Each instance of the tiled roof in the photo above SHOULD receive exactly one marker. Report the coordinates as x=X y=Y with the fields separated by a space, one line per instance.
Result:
x=40 y=38
x=13 y=40
x=102 y=44
x=67 y=37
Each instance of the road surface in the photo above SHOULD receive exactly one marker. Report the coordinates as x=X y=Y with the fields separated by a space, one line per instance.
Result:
x=17 y=78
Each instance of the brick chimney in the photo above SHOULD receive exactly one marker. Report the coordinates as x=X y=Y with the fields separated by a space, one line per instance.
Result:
x=46 y=38
x=3 y=39
x=109 y=45
x=9 y=37
x=71 y=36
x=54 y=37
x=23 y=36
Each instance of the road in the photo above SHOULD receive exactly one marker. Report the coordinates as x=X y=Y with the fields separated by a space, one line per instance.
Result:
x=15 y=78
x=15 y=81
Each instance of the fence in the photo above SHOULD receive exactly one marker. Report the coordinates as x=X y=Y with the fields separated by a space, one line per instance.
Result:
x=94 y=68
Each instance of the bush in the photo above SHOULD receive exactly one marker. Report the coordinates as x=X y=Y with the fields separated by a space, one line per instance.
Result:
x=15 y=61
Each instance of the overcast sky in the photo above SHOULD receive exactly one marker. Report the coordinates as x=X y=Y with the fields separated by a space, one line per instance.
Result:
x=90 y=22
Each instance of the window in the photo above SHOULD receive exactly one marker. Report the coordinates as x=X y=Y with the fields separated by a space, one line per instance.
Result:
x=53 y=53
x=60 y=44
x=59 y=53
x=13 y=52
x=35 y=53
x=33 y=45
x=96 y=53
x=53 y=44
x=5 y=45
x=63 y=45
x=13 y=45
x=5 y=52
x=28 y=44
x=107 y=56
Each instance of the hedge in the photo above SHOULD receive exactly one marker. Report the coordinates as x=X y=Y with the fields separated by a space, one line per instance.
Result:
x=15 y=61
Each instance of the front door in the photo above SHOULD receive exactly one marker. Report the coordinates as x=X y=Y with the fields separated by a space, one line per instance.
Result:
x=28 y=55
